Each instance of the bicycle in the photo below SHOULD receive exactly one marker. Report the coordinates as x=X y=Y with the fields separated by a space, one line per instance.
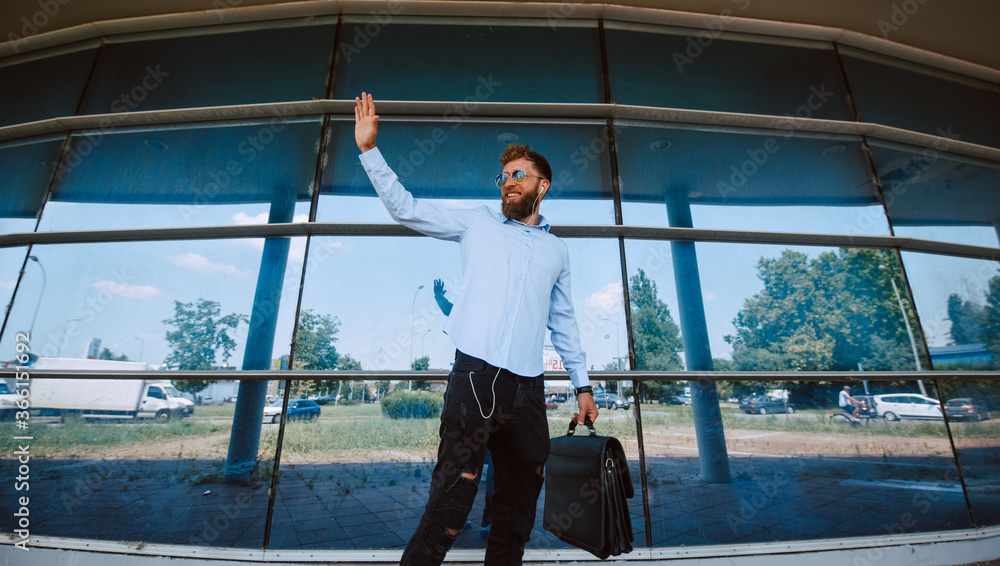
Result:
x=866 y=415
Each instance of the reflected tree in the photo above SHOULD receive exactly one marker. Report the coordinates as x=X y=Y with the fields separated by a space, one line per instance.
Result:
x=992 y=322
x=107 y=354
x=656 y=336
x=200 y=338
x=968 y=321
x=315 y=349
x=827 y=313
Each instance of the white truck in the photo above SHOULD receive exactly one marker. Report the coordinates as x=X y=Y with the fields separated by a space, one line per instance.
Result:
x=108 y=399
x=8 y=402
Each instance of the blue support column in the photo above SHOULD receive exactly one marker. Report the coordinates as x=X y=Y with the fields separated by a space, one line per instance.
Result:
x=245 y=437
x=710 y=434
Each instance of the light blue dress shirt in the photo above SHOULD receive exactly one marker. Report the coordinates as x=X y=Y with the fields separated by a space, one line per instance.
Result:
x=515 y=280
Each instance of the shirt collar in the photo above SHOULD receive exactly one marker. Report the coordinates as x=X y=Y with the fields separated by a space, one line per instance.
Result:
x=543 y=223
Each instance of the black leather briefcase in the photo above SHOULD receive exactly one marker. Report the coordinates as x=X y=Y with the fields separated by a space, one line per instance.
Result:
x=587 y=483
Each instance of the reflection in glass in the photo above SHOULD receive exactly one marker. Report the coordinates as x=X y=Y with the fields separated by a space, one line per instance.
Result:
x=658 y=66
x=746 y=181
x=776 y=309
x=186 y=176
x=935 y=197
x=129 y=301
x=923 y=99
x=144 y=480
x=957 y=299
x=798 y=473
x=433 y=161
x=971 y=408
x=26 y=167
x=47 y=87
x=560 y=63
x=193 y=71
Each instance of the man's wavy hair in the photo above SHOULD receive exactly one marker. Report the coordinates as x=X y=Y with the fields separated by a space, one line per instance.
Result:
x=519 y=150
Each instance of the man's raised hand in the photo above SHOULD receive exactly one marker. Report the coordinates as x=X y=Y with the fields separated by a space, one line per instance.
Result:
x=365 y=122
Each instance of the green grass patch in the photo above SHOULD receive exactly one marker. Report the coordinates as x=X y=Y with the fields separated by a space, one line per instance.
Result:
x=349 y=434
x=54 y=440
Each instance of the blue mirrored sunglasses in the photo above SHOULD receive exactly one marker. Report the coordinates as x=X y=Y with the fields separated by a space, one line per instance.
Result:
x=518 y=176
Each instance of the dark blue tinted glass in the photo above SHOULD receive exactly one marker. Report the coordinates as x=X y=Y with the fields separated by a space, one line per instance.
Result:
x=891 y=92
x=26 y=169
x=704 y=72
x=450 y=159
x=934 y=196
x=750 y=181
x=184 y=176
x=469 y=62
x=250 y=67
x=46 y=88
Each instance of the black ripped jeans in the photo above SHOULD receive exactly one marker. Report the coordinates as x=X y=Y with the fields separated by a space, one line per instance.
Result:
x=485 y=407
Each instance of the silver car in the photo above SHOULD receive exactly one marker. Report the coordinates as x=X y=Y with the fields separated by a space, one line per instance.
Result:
x=897 y=406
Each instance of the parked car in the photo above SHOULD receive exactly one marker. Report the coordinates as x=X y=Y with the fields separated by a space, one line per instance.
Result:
x=610 y=401
x=300 y=409
x=680 y=400
x=965 y=408
x=897 y=406
x=762 y=404
x=325 y=399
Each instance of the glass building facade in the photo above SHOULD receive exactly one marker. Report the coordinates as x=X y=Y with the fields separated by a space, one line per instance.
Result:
x=192 y=201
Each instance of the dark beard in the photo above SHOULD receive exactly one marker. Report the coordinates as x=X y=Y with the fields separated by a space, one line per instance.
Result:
x=520 y=209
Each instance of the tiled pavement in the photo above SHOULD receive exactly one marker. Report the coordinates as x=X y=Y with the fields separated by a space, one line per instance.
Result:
x=377 y=505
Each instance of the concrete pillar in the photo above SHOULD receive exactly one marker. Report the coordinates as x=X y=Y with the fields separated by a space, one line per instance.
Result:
x=710 y=434
x=245 y=437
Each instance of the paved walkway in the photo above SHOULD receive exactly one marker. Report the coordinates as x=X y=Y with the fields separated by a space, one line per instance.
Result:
x=377 y=505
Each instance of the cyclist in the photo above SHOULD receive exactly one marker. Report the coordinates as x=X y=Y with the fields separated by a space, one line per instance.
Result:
x=849 y=404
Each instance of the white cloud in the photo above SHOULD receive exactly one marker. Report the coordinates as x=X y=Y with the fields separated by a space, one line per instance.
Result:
x=243 y=219
x=709 y=296
x=128 y=291
x=201 y=264
x=608 y=300
x=7 y=284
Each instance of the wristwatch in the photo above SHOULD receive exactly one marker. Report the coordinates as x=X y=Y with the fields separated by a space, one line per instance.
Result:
x=585 y=389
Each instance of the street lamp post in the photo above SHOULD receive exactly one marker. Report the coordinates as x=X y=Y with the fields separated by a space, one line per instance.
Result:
x=422 y=336
x=909 y=331
x=142 y=346
x=40 y=294
x=618 y=349
x=413 y=314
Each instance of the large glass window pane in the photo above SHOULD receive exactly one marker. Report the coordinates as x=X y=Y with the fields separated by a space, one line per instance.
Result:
x=141 y=480
x=971 y=407
x=147 y=305
x=957 y=299
x=776 y=182
x=221 y=69
x=910 y=96
x=934 y=196
x=26 y=167
x=486 y=61
x=186 y=176
x=709 y=70
x=770 y=308
x=801 y=471
x=124 y=299
x=11 y=260
x=47 y=86
x=376 y=491
x=433 y=160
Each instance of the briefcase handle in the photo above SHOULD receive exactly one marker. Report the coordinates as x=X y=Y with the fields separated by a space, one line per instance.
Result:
x=586 y=421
